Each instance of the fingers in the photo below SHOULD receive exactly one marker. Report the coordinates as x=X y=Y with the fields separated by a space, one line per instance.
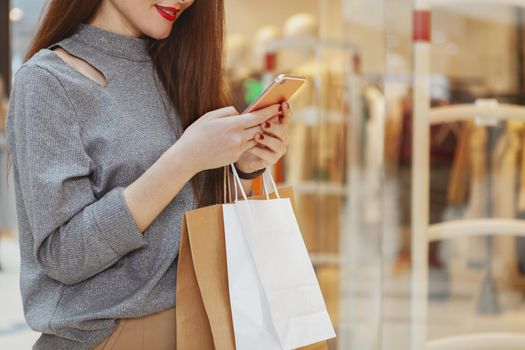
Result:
x=276 y=130
x=251 y=119
x=223 y=112
x=250 y=133
x=285 y=113
x=267 y=155
x=249 y=145
x=272 y=143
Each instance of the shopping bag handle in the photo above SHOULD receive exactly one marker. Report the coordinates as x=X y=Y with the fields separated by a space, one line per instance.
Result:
x=268 y=173
x=238 y=182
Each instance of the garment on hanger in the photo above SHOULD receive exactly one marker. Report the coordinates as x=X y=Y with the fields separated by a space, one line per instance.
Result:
x=393 y=130
x=521 y=199
x=502 y=175
x=460 y=172
x=473 y=248
x=505 y=168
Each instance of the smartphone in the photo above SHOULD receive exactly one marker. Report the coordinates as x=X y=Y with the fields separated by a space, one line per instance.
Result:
x=281 y=89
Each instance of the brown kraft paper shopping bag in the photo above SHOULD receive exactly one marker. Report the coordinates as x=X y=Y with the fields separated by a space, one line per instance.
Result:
x=203 y=313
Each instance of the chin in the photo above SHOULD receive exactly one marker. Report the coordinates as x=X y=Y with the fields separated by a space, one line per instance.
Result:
x=159 y=33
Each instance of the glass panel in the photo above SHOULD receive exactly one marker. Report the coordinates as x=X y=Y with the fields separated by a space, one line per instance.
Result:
x=474 y=282
x=334 y=161
x=478 y=276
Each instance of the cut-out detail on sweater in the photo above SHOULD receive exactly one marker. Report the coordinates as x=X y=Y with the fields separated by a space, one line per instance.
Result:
x=80 y=65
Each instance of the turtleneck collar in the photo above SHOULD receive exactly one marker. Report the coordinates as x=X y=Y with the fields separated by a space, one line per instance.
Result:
x=111 y=43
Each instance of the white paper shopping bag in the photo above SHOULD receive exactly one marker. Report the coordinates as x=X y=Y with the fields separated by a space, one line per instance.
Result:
x=253 y=325
x=274 y=293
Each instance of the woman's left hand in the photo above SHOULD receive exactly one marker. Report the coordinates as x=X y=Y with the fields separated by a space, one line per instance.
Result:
x=272 y=142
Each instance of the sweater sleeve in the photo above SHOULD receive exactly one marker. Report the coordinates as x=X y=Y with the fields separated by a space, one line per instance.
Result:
x=75 y=234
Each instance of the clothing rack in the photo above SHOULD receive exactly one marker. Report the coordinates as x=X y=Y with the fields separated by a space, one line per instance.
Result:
x=423 y=233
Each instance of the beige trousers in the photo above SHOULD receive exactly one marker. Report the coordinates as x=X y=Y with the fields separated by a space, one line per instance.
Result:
x=152 y=332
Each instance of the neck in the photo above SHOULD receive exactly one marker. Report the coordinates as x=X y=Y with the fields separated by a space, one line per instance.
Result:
x=112 y=43
x=111 y=19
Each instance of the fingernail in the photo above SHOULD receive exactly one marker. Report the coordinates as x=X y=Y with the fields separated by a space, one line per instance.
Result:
x=261 y=136
x=267 y=125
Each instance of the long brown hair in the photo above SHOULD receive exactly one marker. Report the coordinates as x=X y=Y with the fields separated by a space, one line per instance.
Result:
x=188 y=62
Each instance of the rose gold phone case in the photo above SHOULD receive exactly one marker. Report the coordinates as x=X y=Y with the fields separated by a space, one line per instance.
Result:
x=281 y=89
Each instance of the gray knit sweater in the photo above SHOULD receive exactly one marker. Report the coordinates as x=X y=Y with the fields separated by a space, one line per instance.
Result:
x=76 y=146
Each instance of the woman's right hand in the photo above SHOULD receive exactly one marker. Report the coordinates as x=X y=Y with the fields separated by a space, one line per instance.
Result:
x=221 y=136
x=216 y=139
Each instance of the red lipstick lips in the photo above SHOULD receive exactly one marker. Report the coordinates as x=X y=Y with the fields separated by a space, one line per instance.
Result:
x=170 y=13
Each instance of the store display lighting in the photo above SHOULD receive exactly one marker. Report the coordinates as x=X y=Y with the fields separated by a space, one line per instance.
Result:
x=16 y=14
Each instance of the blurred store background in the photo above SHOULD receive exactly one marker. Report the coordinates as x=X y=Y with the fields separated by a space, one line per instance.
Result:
x=351 y=160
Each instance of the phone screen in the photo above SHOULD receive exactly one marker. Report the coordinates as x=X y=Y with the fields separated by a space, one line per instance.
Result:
x=281 y=89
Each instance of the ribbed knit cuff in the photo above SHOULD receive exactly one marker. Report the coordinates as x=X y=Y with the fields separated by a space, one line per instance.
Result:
x=116 y=223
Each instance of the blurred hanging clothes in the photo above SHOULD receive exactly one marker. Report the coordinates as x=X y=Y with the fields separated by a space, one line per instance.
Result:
x=469 y=187
x=470 y=174
x=520 y=241
x=505 y=173
x=461 y=170
x=443 y=143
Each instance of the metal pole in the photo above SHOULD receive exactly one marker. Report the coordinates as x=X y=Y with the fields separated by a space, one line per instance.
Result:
x=420 y=174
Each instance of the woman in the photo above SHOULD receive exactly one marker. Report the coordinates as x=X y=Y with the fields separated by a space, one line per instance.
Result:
x=119 y=104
